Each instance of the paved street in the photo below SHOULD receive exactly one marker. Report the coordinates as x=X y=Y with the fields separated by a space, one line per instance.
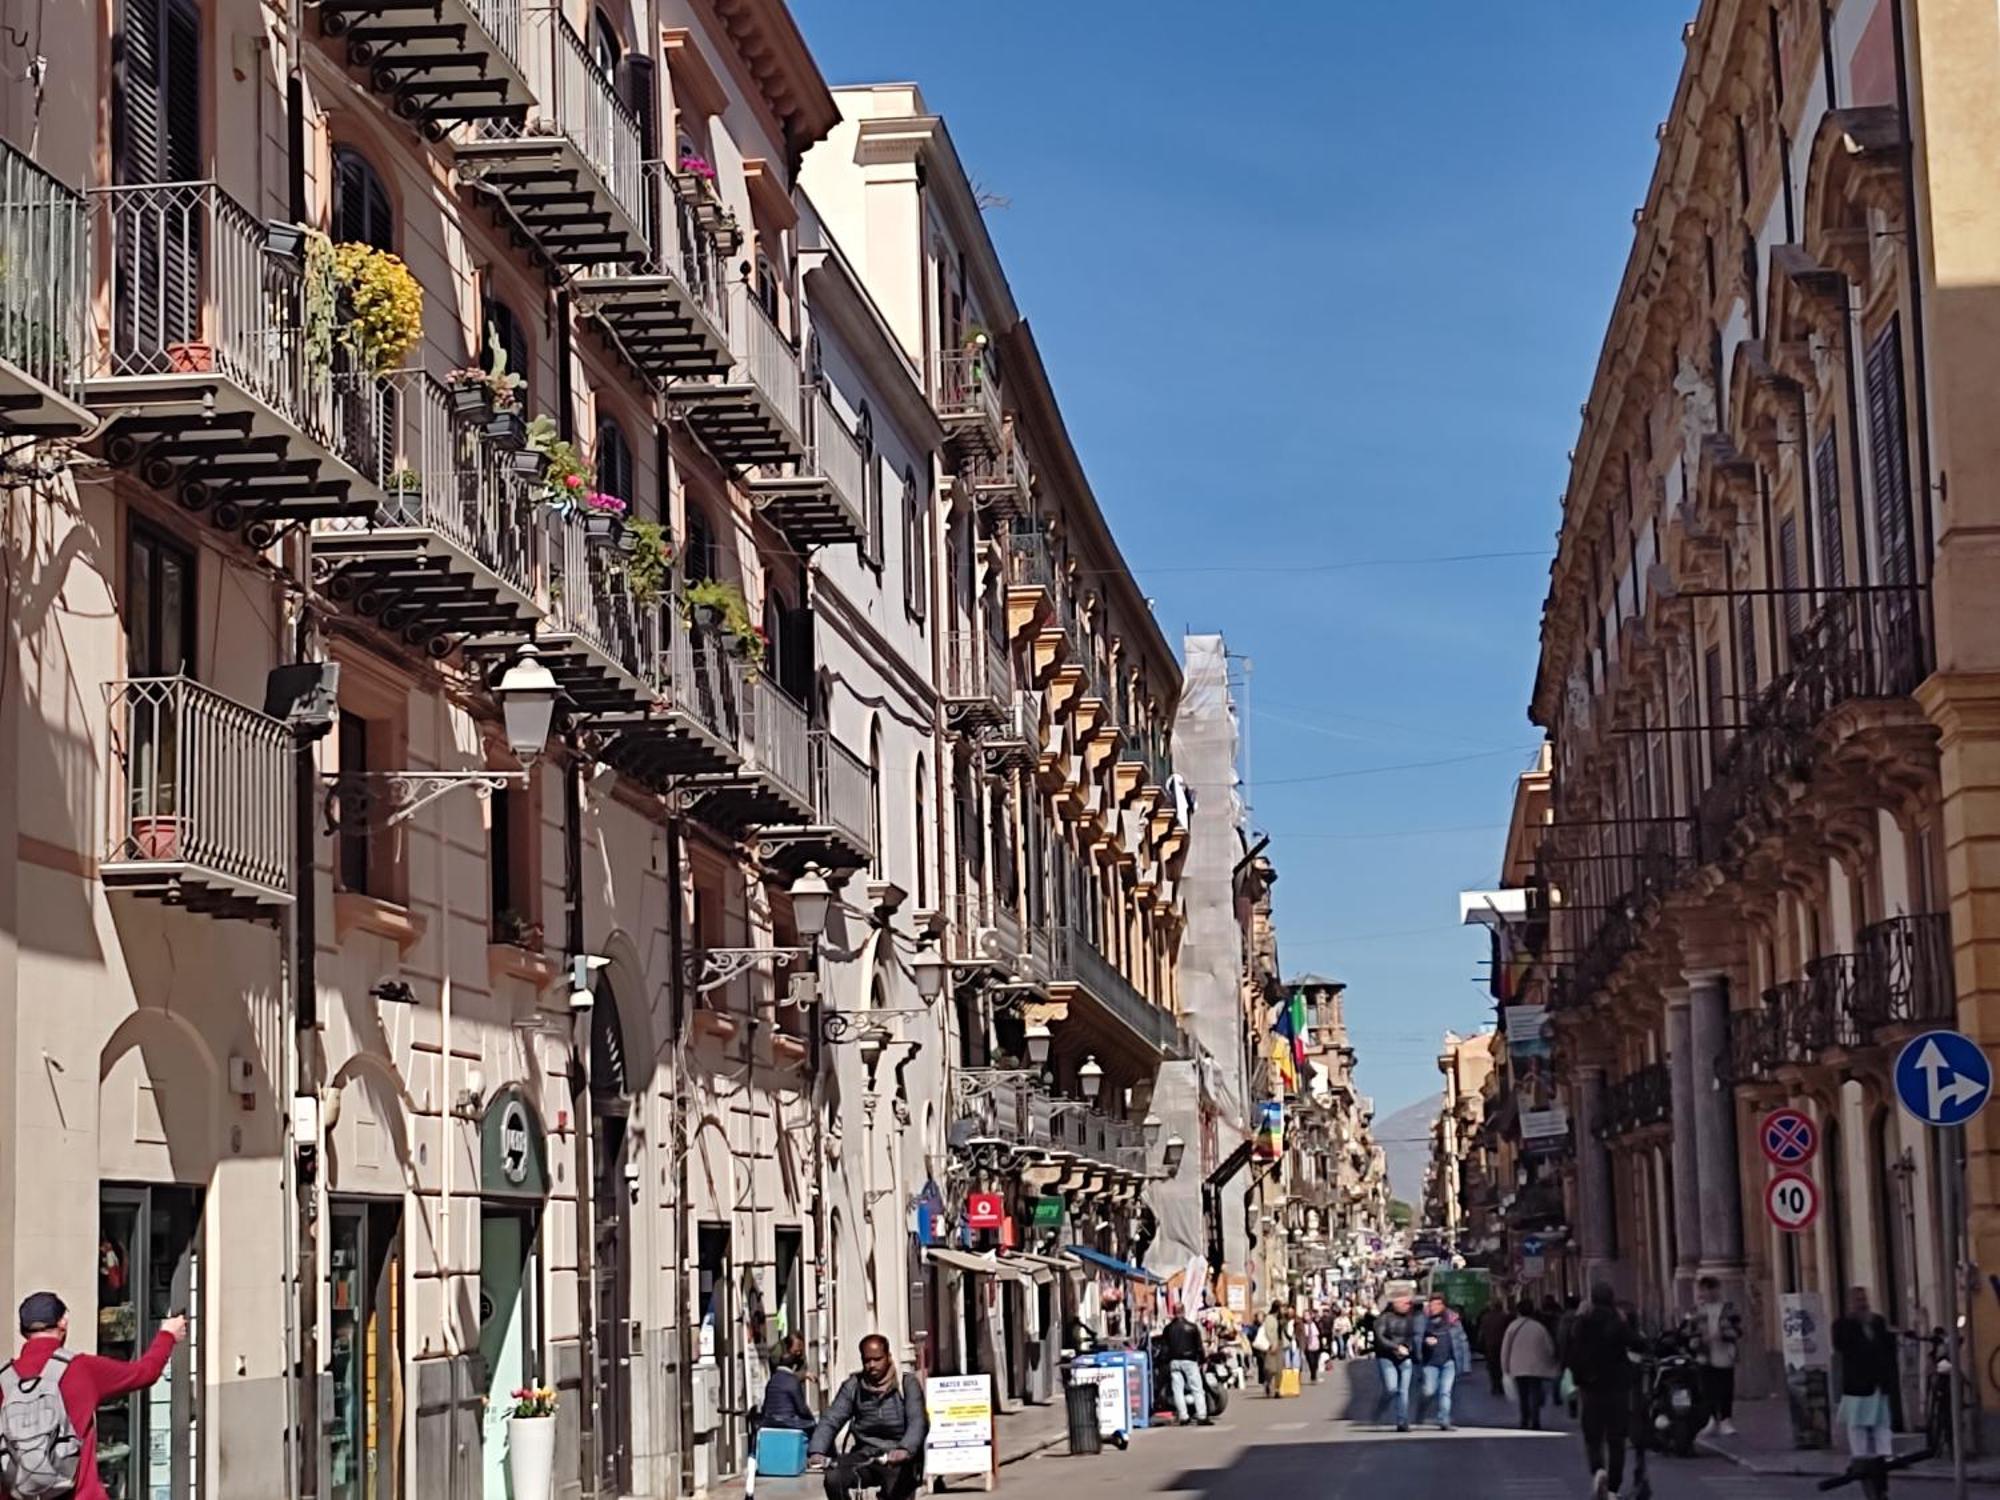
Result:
x=1327 y=1444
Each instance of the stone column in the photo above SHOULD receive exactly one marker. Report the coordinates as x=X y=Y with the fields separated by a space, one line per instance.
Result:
x=1684 y=1158
x=1593 y=1179
x=1719 y=1198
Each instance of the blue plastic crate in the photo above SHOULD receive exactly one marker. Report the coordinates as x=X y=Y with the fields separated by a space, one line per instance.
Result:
x=781 y=1452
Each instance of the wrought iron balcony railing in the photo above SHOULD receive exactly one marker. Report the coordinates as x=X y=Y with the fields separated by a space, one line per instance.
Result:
x=986 y=930
x=979 y=678
x=967 y=397
x=1903 y=972
x=438 y=62
x=1031 y=561
x=843 y=793
x=1009 y=1107
x=668 y=305
x=755 y=417
x=44 y=296
x=200 y=799
x=1079 y=961
x=590 y=598
x=776 y=745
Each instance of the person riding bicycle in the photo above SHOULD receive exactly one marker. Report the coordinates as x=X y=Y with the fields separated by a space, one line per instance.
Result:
x=1868 y=1373
x=886 y=1423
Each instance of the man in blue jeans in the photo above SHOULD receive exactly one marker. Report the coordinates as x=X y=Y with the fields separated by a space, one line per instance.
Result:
x=1446 y=1354
x=1399 y=1333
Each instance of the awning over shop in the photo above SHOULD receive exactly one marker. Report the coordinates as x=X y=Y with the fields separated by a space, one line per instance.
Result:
x=979 y=1265
x=1045 y=1267
x=1113 y=1264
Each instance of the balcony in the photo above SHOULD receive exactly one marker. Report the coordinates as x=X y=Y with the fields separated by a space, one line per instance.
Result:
x=1082 y=971
x=451 y=553
x=839 y=836
x=1002 y=482
x=1903 y=974
x=1004 y=1107
x=987 y=935
x=819 y=505
x=200 y=800
x=754 y=416
x=771 y=784
x=668 y=309
x=604 y=646
x=692 y=725
x=567 y=169
x=1638 y=1101
x=437 y=63
x=1016 y=741
x=44 y=301
x=212 y=385
x=978 y=681
x=968 y=405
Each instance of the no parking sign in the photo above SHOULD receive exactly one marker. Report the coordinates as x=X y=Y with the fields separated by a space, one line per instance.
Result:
x=1789 y=1138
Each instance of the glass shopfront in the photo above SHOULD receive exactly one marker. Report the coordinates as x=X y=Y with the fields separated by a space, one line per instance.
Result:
x=365 y=1350
x=149 y=1269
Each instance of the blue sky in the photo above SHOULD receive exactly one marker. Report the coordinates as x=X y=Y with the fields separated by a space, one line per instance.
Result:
x=1322 y=285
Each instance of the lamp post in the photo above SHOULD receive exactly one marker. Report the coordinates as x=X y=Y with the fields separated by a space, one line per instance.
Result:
x=527 y=691
x=1170 y=1161
x=1090 y=1079
x=1038 y=1037
x=928 y=969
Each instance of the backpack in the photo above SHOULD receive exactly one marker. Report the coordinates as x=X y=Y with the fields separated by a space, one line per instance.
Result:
x=40 y=1451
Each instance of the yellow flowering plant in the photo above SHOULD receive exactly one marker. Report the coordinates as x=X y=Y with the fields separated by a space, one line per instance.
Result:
x=385 y=306
x=534 y=1401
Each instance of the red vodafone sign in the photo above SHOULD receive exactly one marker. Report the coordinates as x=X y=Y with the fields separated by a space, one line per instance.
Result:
x=985 y=1210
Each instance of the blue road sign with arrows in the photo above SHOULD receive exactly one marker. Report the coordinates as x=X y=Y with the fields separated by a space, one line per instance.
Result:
x=1943 y=1077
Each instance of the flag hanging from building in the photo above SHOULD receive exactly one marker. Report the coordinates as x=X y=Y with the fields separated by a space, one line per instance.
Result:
x=1291 y=1025
x=1288 y=1070
x=1270 y=1130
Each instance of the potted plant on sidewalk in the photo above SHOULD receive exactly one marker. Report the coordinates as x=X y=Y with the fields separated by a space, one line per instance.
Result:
x=531 y=1443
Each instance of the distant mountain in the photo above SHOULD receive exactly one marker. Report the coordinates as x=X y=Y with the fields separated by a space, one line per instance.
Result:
x=1406 y=1142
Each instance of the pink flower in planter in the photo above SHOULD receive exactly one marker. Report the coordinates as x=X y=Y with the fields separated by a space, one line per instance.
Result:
x=604 y=504
x=572 y=481
x=698 y=165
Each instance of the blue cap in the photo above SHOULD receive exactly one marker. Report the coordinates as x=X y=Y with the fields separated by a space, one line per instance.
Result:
x=41 y=1311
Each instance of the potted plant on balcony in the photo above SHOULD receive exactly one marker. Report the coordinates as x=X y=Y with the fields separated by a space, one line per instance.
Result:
x=566 y=478
x=405 y=484
x=531 y=1443
x=603 y=518
x=648 y=562
x=157 y=835
x=285 y=241
x=713 y=604
x=384 y=305
x=513 y=927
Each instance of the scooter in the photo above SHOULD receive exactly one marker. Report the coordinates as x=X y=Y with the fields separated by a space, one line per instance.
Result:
x=1675 y=1410
x=1218 y=1373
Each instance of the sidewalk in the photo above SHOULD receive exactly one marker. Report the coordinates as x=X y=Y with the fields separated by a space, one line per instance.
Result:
x=1763 y=1445
x=1020 y=1434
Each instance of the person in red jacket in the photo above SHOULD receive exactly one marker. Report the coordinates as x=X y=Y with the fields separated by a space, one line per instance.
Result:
x=91 y=1379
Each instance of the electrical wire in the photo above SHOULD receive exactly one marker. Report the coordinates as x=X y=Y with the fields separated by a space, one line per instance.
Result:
x=1411 y=765
x=1348 y=565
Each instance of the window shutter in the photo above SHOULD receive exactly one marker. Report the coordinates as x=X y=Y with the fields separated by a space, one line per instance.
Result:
x=1711 y=671
x=613 y=460
x=1788 y=571
x=795 y=655
x=1888 y=436
x=1826 y=481
x=641 y=95
x=135 y=91
x=181 y=103
x=1746 y=636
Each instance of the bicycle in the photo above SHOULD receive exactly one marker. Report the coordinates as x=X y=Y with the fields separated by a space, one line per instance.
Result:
x=1937 y=1390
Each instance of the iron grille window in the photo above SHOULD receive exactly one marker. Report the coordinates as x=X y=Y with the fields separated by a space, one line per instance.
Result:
x=1788 y=571
x=1889 y=458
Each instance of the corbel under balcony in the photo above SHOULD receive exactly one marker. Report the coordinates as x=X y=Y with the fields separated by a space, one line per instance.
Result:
x=1067 y=679
x=1029 y=609
x=1127 y=777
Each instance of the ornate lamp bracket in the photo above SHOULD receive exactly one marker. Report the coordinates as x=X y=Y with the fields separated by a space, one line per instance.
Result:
x=356 y=799
x=711 y=968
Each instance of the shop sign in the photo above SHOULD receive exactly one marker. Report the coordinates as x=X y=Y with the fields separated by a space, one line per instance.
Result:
x=930 y=1215
x=984 y=1210
x=960 y=1438
x=513 y=1155
x=1048 y=1212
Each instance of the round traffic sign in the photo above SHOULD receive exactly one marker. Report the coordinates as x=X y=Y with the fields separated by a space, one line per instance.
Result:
x=1789 y=1138
x=1943 y=1077
x=1792 y=1201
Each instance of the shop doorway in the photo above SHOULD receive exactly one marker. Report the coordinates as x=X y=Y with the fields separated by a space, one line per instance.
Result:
x=365 y=1349
x=718 y=1338
x=611 y=1218
x=510 y=1332
x=149 y=1267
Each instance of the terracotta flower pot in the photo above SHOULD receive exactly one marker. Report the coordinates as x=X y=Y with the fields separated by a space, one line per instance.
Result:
x=191 y=358
x=157 y=837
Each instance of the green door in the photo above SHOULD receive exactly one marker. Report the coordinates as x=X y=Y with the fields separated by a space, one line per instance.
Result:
x=507 y=1335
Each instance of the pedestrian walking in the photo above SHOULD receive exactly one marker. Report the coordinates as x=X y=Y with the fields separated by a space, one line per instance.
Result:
x=886 y=1424
x=1528 y=1357
x=1399 y=1329
x=1868 y=1373
x=1447 y=1354
x=50 y=1447
x=1599 y=1358
x=1269 y=1346
x=1718 y=1330
x=1343 y=1333
x=1309 y=1346
x=1493 y=1325
x=1182 y=1341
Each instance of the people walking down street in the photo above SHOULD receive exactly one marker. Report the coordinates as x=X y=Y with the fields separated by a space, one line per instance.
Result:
x=884 y=1417
x=1343 y=1334
x=1719 y=1329
x=1399 y=1331
x=1447 y=1354
x=1528 y=1357
x=1562 y=1324
x=785 y=1403
x=1868 y=1373
x=1599 y=1357
x=1184 y=1360
x=1493 y=1325
x=1309 y=1345
x=50 y=1448
x=1269 y=1345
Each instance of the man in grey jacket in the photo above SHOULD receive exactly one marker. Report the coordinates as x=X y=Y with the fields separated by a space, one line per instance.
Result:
x=885 y=1421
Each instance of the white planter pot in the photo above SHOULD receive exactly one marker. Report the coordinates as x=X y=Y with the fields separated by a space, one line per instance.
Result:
x=531 y=1457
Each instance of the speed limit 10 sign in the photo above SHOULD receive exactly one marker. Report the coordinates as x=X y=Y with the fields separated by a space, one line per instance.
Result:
x=1791 y=1199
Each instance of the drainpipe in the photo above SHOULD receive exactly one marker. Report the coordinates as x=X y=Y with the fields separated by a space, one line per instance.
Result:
x=677 y=977
x=580 y=1108
x=305 y=1081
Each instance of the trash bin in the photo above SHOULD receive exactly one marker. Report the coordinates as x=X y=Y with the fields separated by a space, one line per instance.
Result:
x=1081 y=1406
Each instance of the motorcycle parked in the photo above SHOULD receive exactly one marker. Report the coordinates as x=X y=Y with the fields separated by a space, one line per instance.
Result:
x=1218 y=1374
x=1675 y=1407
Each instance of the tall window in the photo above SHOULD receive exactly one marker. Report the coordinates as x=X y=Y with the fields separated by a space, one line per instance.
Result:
x=1788 y=572
x=506 y=332
x=361 y=209
x=356 y=857
x=612 y=457
x=1888 y=452
x=1711 y=671
x=923 y=885
x=916 y=555
x=159 y=605
x=871 y=489
x=698 y=557
x=1746 y=639
x=875 y=797
x=156 y=93
x=1826 y=481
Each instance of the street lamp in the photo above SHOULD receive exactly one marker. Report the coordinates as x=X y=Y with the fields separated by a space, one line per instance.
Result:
x=527 y=691
x=1170 y=1160
x=1152 y=1127
x=928 y=968
x=1038 y=1038
x=811 y=899
x=1090 y=1079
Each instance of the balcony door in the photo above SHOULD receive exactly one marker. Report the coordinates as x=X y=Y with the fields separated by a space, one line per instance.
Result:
x=156 y=138
x=159 y=642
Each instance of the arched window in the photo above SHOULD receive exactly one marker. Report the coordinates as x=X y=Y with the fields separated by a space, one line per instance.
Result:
x=879 y=855
x=766 y=289
x=871 y=489
x=916 y=554
x=777 y=643
x=612 y=457
x=923 y=806
x=698 y=556
x=508 y=333
x=606 y=49
x=362 y=213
